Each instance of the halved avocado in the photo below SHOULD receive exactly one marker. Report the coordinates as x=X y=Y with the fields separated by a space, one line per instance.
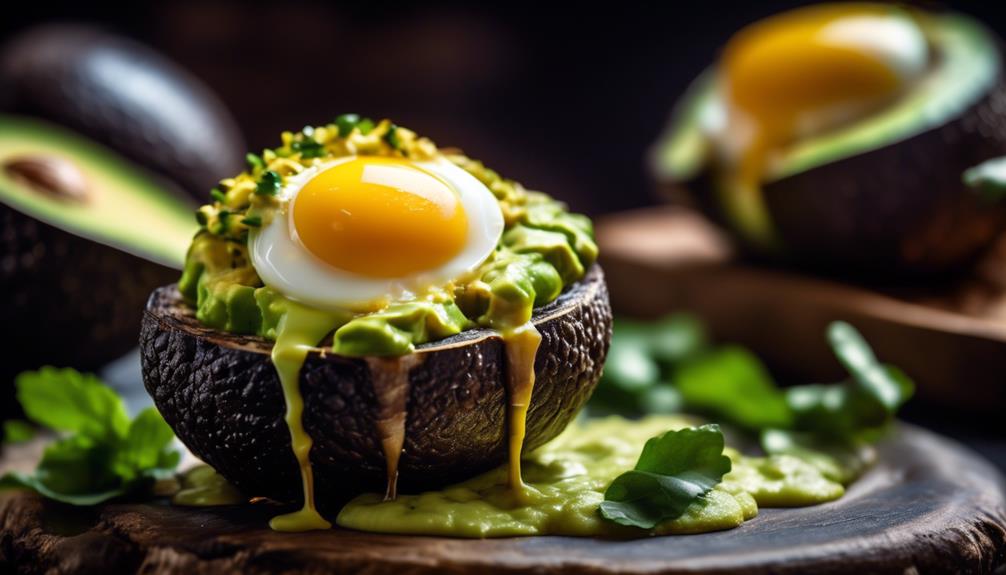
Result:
x=882 y=194
x=221 y=395
x=84 y=237
x=125 y=96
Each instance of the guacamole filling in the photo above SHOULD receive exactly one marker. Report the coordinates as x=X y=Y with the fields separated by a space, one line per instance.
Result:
x=544 y=248
x=566 y=483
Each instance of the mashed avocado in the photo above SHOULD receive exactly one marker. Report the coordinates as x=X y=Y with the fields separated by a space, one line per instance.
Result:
x=566 y=480
x=544 y=248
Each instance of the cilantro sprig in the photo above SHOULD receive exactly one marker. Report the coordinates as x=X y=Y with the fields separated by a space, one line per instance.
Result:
x=101 y=453
x=674 y=470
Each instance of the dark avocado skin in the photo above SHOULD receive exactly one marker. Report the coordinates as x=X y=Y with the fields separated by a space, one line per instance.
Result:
x=902 y=207
x=88 y=80
x=68 y=301
x=221 y=395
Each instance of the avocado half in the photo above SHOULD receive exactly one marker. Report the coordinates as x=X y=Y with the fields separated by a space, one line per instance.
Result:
x=84 y=237
x=221 y=395
x=125 y=96
x=880 y=195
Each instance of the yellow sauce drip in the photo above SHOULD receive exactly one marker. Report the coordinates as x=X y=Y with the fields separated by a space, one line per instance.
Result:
x=391 y=386
x=298 y=332
x=804 y=72
x=521 y=348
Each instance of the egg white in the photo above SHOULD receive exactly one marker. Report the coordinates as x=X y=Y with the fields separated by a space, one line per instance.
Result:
x=286 y=265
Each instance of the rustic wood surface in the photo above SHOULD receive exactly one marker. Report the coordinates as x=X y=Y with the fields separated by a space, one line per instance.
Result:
x=951 y=338
x=929 y=506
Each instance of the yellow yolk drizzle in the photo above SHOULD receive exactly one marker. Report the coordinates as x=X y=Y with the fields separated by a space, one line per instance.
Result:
x=799 y=72
x=521 y=348
x=298 y=332
x=380 y=218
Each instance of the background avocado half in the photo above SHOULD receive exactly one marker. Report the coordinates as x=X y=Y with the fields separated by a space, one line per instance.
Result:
x=883 y=195
x=125 y=96
x=221 y=395
x=84 y=236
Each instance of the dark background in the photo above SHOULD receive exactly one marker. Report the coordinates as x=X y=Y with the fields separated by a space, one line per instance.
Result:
x=566 y=100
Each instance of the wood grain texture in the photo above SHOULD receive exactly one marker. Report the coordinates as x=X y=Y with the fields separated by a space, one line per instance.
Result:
x=929 y=506
x=951 y=337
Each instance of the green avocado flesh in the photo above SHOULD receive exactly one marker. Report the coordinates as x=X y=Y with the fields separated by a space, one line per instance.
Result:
x=965 y=68
x=566 y=481
x=122 y=207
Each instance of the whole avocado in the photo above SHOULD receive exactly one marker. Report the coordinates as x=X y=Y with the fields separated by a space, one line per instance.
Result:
x=125 y=96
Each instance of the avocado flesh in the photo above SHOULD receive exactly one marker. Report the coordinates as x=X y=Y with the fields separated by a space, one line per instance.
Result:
x=124 y=207
x=221 y=394
x=948 y=118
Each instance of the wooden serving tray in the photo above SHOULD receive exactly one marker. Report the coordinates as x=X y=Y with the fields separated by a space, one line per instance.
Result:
x=929 y=506
x=951 y=338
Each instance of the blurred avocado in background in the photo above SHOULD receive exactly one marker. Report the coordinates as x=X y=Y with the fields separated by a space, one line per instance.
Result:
x=104 y=146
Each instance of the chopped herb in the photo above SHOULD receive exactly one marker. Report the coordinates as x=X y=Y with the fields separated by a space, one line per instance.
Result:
x=365 y=126
x=252 y=221
x=308 y=148
x=254 y=161
x=201 y=218
x=17 y=431
x=391 y=137
x=346 y=123
x=269 y=184
x=105 y=454
x=674 y=470
x=218 y=196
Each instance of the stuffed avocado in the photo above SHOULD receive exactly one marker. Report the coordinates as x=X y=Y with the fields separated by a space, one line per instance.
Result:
x=413 y=298
x=850 y=155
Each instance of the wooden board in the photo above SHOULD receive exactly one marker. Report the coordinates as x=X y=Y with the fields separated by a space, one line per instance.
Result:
x=951 y=338
x=929 y=506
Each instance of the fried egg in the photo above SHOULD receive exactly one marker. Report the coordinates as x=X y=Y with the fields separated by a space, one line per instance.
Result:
x=358 y=232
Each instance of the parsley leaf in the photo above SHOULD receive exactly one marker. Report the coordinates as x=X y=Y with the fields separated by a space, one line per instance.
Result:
x=674 y=470
x=733 y=383
x=308 y=147
x=104 y=455
x=270 y=184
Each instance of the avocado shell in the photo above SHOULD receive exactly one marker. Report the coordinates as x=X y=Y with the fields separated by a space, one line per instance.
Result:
x=903 y=204
x=221 y=395
x=66 y=300
x=126 y=96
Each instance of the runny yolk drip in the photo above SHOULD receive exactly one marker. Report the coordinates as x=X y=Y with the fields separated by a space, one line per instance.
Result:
x=803 y=72
x=380 y=218
x=521 y=348
x=297 y=333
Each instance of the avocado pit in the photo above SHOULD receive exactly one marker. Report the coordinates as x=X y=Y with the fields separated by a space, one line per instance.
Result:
x=54 y=176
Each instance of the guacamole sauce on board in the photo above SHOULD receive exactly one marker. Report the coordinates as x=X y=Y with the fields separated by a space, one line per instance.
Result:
x=565 y=482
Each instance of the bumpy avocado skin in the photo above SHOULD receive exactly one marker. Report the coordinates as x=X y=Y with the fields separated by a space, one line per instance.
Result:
x=126 y=96
x=221 y=395
x=901 y=207
x=67 y=301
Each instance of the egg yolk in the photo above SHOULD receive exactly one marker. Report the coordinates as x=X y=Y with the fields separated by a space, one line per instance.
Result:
x=380 y=218
x=789 y=72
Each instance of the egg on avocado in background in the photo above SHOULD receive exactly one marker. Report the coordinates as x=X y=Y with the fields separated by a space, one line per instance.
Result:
x=836 y=135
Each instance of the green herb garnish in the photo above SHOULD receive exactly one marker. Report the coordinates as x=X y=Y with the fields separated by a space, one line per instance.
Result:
x=391 y=137
x=254 y=161
x=346 y=123
x=674 y=470
x=103 y=454
x=218 y=196
x=252 y=221
x=308 y=148
x=269 y=184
